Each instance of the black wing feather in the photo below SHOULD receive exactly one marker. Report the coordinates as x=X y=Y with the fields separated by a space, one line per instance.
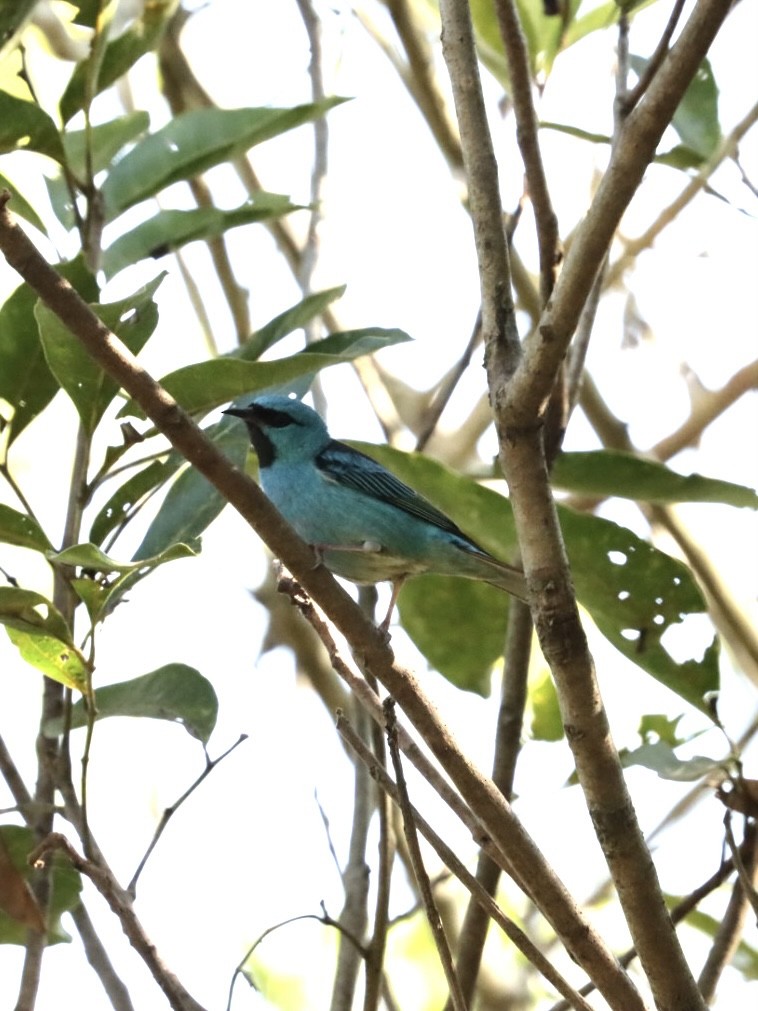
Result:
x=353 y=469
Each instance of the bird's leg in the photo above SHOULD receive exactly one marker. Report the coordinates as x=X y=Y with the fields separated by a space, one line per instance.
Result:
x=396 y=587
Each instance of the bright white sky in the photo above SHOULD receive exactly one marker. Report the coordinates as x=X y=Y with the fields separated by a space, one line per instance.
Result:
x=234 y=861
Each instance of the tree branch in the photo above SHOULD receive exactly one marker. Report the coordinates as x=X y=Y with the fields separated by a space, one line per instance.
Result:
x=634 y=150
x=519 y=396
x=479 y=894
x=366 y=641
x=527 y=135
x=419 y=871
x=121 y=905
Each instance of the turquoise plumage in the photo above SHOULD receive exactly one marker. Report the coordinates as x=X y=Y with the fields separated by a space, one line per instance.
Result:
x=365 y=524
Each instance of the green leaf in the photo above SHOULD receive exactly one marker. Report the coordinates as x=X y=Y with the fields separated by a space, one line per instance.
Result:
x=696 y=119
x=104 y=142
x=745 y=957
x=546 y=723
x=635 y=595
x=64 y=893
x=141 y=37
x=634 y=592
x=42 y=636
x=575 y=131
x=13 y=16
x=599 y=18
x=25 y=127
x=542 y=34
x=132 y=494
x=282 y=325
x=174 y=692
x=170 y=230
x=658 y=726
x=610 y=473
x=459 y=625
x=20 y=529
x=18 y=205
x=101 y=601
x=132 y=319
x=661 y=758
x=192 y=502
x=205 y=385
x=193 y=142
x=435 y=610
x=26 y=382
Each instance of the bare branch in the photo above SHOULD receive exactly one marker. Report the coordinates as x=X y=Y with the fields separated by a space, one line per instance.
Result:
x=511 y=930
x=97 y=956
x=121 y=905
x=171 y=811
x=518 y=648
x=732 y=922
x=635 y=147
x=355 y=882
x=417 y=862
x=527 y=135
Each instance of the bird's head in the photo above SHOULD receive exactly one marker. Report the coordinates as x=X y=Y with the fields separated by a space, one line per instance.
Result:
x=282 y=429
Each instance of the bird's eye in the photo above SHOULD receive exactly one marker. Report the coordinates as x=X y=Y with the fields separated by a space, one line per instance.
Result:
x=272 y=418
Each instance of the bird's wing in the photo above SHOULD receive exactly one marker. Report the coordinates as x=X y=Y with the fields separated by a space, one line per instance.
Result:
x=346 y=466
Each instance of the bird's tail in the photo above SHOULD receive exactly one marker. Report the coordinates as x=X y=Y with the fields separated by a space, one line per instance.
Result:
x=505 y=577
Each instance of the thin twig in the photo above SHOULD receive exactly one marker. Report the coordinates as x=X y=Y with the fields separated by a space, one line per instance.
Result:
x=443 y=395
x=732 y=923
x=706 y=407
x=745 y=866
x=518 y=648
x=418 y=76
x=355 y=881
x=417 y=862
x=626 y=997
x=171 y=811
x=511 y=930
x=527 y=136
x=325 y=919
x=643 y=129
x=727 y=148
x=653 y=64
x=121 y=905
x=681 y=910
x=97 y=956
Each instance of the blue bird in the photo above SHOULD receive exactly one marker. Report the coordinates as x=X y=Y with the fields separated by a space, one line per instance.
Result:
x=363 y=522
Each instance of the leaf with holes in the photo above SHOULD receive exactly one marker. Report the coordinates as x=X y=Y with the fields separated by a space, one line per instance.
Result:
x=133 y=493
x=640 y=598
x=39 y=631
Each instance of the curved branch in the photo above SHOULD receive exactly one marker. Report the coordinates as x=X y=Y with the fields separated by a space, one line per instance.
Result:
x=545 y=349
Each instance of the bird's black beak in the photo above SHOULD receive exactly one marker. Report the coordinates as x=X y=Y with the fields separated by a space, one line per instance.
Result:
x=238 y=412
